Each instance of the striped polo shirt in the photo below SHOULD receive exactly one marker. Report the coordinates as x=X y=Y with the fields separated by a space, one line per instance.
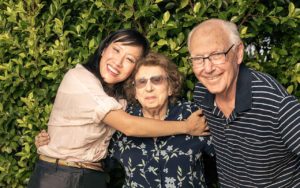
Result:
x=259 y=144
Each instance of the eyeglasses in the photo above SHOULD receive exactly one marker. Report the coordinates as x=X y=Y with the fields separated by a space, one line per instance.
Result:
x=155 y=80
x=215 y=58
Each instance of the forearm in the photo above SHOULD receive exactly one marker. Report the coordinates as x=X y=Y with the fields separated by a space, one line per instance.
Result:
x=143 y=127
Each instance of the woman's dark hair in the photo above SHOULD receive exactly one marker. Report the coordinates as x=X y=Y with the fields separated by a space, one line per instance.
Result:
x=175 y=78
x=126 y=36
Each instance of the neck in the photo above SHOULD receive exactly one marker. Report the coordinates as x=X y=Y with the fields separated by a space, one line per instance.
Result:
x=226 y=100
x=155 y=113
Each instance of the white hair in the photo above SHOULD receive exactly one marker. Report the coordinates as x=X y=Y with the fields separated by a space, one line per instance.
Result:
x=230 y=29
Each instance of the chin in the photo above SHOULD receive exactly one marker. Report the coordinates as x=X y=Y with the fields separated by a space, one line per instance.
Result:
x=214 y=90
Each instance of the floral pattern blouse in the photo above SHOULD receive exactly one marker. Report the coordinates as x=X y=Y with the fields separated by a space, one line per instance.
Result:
x=163 y=162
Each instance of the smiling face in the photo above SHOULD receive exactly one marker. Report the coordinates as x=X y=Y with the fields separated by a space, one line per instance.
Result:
x=118 y=61
x=218 y=79
x=152 y=97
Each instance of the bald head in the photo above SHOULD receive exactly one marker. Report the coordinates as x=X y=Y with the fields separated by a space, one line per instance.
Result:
x=216 y=29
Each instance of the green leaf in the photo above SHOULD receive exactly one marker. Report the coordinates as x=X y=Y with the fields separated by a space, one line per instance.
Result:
x=290 y=89
x=298 y=78
x=52 y=75
x=166 y=17
x=172 y=44
x=197 y=7
x=244 y=30
x=130 y=2
x=275 y=20
x=98 y=4
x=170 y=5
x=184 y=3
x=291 y=9
x=128 y=14
x=219 y=4
x=234 y=19
x=190 y=84
x=92 y=43
x=162 y=42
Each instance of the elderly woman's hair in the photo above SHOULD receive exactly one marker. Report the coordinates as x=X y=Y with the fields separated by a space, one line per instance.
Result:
x=175 y=78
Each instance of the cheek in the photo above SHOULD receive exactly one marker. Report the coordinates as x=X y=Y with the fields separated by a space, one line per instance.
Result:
x=101 y=67
x=196 y=71
x=129 y=68
x=138 y=95
x=163 y=93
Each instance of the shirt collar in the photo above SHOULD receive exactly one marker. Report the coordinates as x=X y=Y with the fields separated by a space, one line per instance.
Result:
x=243 y=100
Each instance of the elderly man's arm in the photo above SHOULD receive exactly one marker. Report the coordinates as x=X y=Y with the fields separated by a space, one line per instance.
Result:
x=289 y=123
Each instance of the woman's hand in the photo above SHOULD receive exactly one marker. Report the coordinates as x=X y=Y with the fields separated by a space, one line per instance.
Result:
x=42 y=139
x=197 y=125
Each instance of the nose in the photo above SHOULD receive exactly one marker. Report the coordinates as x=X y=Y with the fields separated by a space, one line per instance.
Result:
x=119 y=60
x=149 y=86
x=208 y=66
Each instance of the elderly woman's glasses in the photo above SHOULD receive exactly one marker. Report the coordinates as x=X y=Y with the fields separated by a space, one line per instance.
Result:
x=215 y=58
x=155 y=80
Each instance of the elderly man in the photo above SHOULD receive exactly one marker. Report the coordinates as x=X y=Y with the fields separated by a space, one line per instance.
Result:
x=254 y=122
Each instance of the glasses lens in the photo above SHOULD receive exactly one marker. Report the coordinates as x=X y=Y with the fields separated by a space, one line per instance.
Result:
x=197 y=60
x=155 y=80
x=141 y=82
x=217 y=58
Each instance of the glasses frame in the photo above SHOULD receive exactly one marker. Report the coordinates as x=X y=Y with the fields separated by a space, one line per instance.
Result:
x=191 y=59
x=140 y=86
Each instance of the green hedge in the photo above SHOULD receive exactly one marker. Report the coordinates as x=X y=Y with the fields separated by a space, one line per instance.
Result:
x=41 y=40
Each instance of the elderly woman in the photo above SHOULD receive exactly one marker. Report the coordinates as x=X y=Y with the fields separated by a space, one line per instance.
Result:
x=171 y=161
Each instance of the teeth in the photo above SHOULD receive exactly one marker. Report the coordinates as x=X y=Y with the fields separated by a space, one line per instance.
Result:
x=212 y=78
x=112 y=69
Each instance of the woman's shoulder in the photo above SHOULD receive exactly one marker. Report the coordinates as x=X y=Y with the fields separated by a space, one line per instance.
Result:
x=80 y=80
x=134 y=109
x=80 y=72
x=182 y=109
x=184 y=105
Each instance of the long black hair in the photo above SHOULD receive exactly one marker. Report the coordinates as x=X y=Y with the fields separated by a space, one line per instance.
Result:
x=126 y=36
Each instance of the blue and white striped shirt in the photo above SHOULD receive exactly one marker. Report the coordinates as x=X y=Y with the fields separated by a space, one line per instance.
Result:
x=259 y=144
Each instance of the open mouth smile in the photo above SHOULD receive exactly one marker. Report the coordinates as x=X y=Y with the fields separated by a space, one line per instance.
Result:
x=113 y=70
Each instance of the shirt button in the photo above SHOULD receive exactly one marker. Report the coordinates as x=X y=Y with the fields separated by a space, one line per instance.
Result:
x=227 y=126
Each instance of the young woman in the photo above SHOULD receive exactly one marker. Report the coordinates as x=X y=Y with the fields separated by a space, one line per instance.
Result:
x=88 y=109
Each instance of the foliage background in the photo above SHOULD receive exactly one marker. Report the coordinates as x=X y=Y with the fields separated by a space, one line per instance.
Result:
x=40 y=40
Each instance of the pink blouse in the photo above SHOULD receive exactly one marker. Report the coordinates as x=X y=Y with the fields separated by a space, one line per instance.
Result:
x=76 y=130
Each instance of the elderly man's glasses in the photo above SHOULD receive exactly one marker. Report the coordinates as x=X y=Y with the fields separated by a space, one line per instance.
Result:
x=155 y=80
x=215 y=58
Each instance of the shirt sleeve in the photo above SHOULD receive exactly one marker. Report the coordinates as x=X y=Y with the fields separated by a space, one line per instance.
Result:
x=81 y=100
x=206 y=140
x=100 y=101
x=289 y=123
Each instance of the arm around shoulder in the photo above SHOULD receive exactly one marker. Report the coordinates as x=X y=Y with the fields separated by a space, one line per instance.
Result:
x=146 y=127
x=143 y=127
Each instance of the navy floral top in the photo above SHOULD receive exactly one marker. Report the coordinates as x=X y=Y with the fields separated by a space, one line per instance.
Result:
x=164 y=162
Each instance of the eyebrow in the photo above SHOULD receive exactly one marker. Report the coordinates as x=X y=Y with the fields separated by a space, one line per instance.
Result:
x=213 y=52
x=151 y=76
x=121 y=46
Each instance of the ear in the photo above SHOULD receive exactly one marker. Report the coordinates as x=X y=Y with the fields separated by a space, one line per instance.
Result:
x=240 y=53
x=170 y=91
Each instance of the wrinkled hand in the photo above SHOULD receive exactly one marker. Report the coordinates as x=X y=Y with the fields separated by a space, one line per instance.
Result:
x=42 y=139
x=197 y=125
